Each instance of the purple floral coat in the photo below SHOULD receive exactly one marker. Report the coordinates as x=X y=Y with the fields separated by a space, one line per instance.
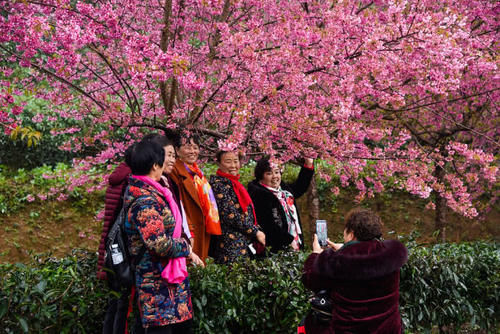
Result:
x=151 y=223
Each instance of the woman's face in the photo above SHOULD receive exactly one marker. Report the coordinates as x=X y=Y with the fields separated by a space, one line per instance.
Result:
x=168 y=165
x=272 y=178
x=188 y=152
x=229 y=163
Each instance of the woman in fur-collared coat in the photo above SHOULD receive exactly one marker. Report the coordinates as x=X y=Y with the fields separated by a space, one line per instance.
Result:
x=361 y=277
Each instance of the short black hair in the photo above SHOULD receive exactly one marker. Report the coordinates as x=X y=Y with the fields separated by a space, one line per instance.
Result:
x=128 y=154
x=159 y=139
x=263 y=166
x=145 y=155
x=174 y=136
x=365 y=224
x=184 y=138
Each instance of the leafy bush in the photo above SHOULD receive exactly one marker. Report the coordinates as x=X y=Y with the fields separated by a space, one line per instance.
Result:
x=451 y=285
x=447 y=285
x=264 y=296
x=39 y=117
x=52 y=296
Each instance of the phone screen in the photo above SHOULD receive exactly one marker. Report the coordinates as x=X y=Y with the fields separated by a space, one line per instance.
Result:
x=321 y=232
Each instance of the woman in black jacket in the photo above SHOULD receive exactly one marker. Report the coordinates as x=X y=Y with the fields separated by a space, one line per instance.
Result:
x=275 y=206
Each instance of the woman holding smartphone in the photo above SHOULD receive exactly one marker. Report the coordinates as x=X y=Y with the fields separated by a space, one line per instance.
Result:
x=360 y=276
x=275 y=205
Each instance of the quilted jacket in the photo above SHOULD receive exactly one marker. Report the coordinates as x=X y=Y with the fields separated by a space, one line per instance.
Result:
x=151 y=223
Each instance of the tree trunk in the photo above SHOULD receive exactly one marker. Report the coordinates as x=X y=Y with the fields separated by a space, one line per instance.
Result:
x=165 y=36
x=313 y=204
x=441 y=208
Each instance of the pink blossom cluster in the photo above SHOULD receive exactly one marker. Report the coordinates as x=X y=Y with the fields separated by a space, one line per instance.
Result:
x=389 y=92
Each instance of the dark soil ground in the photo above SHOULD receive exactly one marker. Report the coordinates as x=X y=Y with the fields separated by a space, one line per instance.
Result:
x=404 y=215
x=52 y=229
x=58 y=227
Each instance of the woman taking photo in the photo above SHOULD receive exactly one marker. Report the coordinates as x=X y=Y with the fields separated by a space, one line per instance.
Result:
x=154 y=228
x=239 y=227
x=275 y=205
x=361 y=277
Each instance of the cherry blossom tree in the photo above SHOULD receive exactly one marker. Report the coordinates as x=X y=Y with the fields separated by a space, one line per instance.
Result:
x=394 y=93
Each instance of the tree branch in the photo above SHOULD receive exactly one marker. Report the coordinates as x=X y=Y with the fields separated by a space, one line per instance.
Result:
x=133 y=101
x=165 y=35
x=61 y=79
x=197 y=116
x=364 y=7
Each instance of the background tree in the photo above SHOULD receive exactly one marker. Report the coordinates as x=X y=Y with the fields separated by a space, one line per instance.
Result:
x=409 y=88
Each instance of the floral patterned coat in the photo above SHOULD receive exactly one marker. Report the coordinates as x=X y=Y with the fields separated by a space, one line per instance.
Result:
x=151 y=223
x=238 y=229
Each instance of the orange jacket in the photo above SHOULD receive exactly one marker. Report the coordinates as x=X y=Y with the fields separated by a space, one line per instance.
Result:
x=192 y=206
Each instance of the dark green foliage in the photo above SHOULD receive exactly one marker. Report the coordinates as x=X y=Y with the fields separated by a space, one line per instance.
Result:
x=264 y=296
x=451 y=285
x=52 y=296
x=17 y=154
x=447 y=285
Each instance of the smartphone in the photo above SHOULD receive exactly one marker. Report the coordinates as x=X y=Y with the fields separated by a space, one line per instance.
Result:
x=321 y=232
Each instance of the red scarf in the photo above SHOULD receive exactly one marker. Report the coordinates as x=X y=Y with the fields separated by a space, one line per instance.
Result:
x=243 y=197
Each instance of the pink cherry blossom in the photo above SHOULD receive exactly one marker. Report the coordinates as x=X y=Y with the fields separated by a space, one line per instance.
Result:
x=390 y=93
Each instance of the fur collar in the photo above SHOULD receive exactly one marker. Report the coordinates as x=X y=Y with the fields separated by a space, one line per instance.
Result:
x=363 y=260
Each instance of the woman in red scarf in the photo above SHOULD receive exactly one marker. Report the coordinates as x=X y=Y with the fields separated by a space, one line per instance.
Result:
x=237 y=216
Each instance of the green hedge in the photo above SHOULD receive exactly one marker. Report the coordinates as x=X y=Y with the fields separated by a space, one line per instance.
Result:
x=264 y=296
x=447 y=285
x=451 y=286
x=52 y=296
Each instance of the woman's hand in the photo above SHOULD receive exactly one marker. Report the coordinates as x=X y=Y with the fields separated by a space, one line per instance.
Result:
x=316 y=247
x=196 y=260
x=261 y=237
x=334 y=245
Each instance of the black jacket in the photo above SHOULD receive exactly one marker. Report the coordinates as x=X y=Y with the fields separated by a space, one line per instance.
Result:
x=270 y=213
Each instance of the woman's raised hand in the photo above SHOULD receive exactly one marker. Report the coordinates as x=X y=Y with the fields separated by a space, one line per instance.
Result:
x=316 y=246
x=308 y=162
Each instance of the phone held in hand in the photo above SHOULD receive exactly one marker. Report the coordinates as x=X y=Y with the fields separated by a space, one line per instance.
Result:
x=321 y=232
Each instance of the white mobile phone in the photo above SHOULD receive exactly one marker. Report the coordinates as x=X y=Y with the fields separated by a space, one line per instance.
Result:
x=321 y=232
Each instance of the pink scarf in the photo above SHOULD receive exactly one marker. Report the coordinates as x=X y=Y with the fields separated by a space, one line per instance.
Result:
x=175 y=271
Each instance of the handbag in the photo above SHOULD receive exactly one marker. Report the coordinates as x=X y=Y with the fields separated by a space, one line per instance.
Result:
x=321 y=307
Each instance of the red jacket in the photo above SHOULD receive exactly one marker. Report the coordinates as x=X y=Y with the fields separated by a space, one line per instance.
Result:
x=363 y=281
x=112 y=204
